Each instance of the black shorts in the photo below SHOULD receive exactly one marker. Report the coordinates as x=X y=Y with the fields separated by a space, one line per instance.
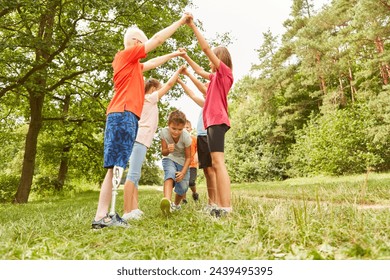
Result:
x=216 y=137
x=193 y=174
x=204 y=157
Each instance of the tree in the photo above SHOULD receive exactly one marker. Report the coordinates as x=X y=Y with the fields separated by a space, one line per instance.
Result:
x=55 y=52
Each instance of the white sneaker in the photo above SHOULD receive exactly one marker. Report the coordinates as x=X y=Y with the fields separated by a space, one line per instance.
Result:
x=135 y=214
x=175 y=207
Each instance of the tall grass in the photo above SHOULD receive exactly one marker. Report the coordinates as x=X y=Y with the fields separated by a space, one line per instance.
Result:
x=309 y=218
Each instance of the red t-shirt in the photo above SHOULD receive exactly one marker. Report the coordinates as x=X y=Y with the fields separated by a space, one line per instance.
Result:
x=129 y=89
x=215 y=110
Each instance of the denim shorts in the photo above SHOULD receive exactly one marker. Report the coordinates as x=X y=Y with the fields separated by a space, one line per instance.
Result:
x=170 y=168
x=121 y=131
x=137 y=158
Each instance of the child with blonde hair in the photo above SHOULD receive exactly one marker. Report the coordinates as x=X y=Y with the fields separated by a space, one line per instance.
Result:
x=124 y=111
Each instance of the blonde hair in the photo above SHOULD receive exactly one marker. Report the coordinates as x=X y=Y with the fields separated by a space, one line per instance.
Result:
x=134 y=32
x=224 y=55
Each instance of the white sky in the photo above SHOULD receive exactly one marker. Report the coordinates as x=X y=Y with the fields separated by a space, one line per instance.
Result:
x=246 y=20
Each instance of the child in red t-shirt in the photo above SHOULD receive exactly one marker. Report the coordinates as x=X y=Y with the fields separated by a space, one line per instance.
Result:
x=124 y=111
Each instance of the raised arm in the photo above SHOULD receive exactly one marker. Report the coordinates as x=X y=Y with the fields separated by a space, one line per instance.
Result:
x=168 y=85
x=197 y=99
x=203 y=44
x=199 y=70
x=157 y=61
x=164 y=34
x=201 y=87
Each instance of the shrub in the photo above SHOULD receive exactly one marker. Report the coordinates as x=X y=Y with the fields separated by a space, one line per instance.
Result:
x=8 y=187
x=335 y=143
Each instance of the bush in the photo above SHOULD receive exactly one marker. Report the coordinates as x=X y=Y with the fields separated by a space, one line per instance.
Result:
x=8 y=187
x=335 y=143
x=45 y=186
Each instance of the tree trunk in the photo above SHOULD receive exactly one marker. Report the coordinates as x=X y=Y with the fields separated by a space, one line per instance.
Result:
x=62 y=172
x=30 y=151
x=36 y=91
x=383 y=67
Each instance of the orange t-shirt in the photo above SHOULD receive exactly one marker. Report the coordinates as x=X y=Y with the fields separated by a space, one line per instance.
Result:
x=129 y=89
x=194 y=148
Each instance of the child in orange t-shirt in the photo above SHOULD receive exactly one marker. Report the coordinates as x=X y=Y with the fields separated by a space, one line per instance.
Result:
x=193 y=164
x=124 y=111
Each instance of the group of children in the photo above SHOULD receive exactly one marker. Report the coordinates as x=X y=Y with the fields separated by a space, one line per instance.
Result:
x=132 y=119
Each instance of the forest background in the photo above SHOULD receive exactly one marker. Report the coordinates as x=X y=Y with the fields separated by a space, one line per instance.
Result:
x=316 y=102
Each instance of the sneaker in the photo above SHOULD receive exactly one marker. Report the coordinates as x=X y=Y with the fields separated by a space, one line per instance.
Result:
x=209 y=207
x=218 y=213
x=184 y=201
x=135 y=214
x=175 y=207
x=195 y=196
x=110 y=221
x=165 y=206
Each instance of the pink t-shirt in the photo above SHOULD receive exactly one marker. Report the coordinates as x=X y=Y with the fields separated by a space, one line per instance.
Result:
x=147 y=124
x=215 y=110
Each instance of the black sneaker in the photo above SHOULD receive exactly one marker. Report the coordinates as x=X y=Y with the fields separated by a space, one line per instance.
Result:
x=195 y=196
x=185 y=201
x=110 y=221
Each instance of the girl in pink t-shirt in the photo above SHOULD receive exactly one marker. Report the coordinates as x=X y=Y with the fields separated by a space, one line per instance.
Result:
x=215 y=114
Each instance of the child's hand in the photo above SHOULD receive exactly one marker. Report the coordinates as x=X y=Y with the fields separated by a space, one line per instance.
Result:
x=183 y=70
x=171 y=148
x=182 y=52
x=186 y=18
x=179 y=176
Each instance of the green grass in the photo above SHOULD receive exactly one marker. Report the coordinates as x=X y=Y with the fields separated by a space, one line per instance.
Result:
x=307 y=218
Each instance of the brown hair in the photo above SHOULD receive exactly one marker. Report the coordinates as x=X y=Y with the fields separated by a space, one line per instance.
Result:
x=151 y=82
x=177 y=117
x=223 y=54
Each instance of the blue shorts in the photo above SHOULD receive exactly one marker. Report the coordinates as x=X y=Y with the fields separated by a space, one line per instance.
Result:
x=121 y=131
x=135 y=163
x=170 y=168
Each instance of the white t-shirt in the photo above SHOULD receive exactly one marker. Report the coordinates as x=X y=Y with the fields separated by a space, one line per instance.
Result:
x=185 y=140
x=147 y=124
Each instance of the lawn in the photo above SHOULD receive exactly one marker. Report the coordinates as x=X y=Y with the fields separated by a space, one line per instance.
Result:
x=306 y=218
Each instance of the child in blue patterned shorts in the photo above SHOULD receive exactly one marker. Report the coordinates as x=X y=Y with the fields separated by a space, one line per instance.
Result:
x=124 y=111
x=176 y=150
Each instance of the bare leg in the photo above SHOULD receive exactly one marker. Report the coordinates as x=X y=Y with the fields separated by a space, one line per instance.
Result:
x=222 y=179
x=211 y=182
x=168 y=187
x=105 y=196
x=130 y=197
x=178 y=199
x=135 y=199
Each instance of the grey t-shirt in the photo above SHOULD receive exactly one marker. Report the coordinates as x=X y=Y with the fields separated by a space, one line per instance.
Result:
x=185 y=140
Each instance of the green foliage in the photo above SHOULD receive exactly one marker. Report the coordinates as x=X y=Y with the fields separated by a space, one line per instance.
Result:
x=55 y=62
x=335 y=143
x=151 y=175
x=319 y=100
x=8 y=187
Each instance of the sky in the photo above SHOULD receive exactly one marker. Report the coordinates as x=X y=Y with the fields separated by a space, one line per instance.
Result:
x=246 y=21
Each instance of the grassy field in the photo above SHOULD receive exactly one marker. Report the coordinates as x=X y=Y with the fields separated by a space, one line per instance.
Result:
x=309 y=218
